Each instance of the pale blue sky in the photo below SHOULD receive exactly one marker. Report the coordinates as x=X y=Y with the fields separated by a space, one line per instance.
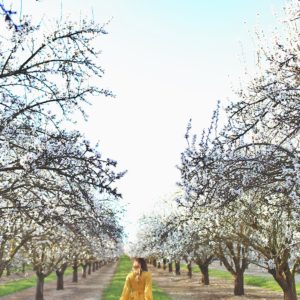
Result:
x=167 y=61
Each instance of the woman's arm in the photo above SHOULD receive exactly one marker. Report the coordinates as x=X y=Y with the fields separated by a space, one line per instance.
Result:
x=126 y=290
x=148 y=287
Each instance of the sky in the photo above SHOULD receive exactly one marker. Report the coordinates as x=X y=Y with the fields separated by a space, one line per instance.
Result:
x=166 y=61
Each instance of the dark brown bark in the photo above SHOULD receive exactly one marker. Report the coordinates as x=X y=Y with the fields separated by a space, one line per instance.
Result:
x=94 y=266
x=177 y=267
x=286 y=280
x=59 y=280
x=8 y=272
x=203 y=264
x=60 y=277
x=164 y=263
x=40 y=278
x=84 y=268
x=75 y=271
x=240 y=263
x=170 y=264
x=205 y=274
x=23 y=268
x=158 y=265
x=89 y=268
x=239 y=284
x=2 y=269
x=290 y=294
x=190 y=271
x=154 y=263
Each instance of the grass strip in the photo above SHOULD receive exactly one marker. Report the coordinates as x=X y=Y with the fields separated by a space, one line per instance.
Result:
x=22 y=284
x=114 y=291
x=253 y=280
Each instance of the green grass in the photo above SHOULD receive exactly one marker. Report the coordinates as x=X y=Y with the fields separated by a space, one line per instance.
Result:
x=254 y=280
x=22 y=284
x=114 y=291
x=264 y=282
x=17 y=285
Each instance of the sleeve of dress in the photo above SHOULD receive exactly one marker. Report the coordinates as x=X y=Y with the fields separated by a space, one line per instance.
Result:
x=148 y=287
x=126 y=290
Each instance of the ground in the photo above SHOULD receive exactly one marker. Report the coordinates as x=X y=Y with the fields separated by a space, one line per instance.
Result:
x=183 y=288
x=90 y=288
x=179 y=287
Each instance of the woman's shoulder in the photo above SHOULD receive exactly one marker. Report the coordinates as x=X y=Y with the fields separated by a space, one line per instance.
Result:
x=130 y=275
x=146 y=273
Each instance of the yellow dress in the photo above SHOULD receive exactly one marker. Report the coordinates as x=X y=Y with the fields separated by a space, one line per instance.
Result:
x=138 y=290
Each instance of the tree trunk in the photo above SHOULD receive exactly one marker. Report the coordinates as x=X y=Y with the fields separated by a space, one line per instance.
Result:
x=154 y=263
x=90 y=268
x=8 y=270
x=289 y=290
x=205 y=275
x=59 y=280
x=177 y=267
x=158 y=265
x=94 y=266
x=240 y=264
x=286 y=282
x=290 y=293
x=84 y=268
x=39 y=294
x=170 y=266
x=60 y=276
x=164 y=263
x=189 y=267
x=97 y=265
x=75 y=273
x=23 y=268
x=239 y=284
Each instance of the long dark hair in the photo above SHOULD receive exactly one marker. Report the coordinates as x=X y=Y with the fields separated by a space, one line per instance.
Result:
x=142 y=262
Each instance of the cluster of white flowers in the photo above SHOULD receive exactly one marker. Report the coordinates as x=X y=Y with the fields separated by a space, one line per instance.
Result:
x=244 y=181
x=52 y=179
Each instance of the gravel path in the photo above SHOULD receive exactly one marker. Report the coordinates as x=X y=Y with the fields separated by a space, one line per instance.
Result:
x=183 y=288
x=90 y=288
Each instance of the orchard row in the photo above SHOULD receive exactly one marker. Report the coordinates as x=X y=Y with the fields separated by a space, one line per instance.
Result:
x=59 y=203
x=239 y=196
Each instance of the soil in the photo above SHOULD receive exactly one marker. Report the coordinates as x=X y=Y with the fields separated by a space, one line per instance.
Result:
x=16 y=276
x=182 y=288
x=178 y=287
x=90 y=288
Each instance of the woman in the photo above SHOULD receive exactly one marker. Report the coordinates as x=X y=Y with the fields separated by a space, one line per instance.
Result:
x=138 y=285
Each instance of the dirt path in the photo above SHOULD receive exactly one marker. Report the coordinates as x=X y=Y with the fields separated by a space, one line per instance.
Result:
x=183 y=288
x=90 y=288
x=251 y=270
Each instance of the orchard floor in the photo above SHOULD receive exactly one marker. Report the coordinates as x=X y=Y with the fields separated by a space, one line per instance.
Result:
x=183 y=288
x=90 y=288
